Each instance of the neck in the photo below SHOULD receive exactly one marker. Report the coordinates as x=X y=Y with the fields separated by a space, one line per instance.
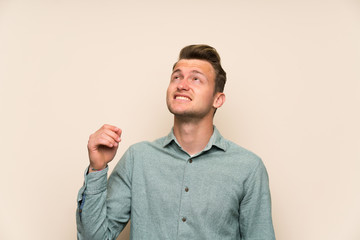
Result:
x=193 y=135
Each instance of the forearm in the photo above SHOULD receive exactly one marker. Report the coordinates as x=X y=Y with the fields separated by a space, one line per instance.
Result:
x=91 y=215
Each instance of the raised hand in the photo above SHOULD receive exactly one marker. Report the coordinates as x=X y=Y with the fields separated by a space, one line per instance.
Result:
x=102 y=146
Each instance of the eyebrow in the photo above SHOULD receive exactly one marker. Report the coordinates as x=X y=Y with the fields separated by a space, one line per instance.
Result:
x=193 y=71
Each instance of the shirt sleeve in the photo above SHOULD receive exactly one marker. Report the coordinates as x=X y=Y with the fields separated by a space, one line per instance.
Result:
x=104 y=205
x=255 y=208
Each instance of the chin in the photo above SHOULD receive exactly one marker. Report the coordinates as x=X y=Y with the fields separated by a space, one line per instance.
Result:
x=178 y=112
x=186 y=115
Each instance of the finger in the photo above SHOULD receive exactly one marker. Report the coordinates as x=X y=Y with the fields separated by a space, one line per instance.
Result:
x=105 y=140
x=115 y=129
x=111 y=127
x=113 y=134
x=119 y=132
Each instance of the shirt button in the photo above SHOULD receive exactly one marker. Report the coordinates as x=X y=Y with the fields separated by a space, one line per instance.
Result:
x=190 y=161
x=184 y=219
x=186 y=189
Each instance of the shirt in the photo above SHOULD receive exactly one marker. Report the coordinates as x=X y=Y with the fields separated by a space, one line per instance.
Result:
x=220 y=193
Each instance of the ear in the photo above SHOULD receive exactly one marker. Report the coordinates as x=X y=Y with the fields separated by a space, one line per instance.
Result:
x=219 y=100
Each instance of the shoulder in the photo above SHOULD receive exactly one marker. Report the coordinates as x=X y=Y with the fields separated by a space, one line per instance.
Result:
x=135 y=153
x=146 y=148
x=242 y=155
x=247 y=162
x=140 y=146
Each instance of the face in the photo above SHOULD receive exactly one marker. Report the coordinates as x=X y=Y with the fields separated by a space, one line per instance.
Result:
x=191 y=90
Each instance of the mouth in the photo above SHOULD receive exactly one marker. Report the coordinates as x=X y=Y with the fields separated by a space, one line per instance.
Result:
x=182 y=98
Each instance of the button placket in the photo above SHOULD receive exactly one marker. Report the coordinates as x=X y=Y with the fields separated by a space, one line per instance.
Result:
x=186 y=187
x=185 y=200
x=190 y=161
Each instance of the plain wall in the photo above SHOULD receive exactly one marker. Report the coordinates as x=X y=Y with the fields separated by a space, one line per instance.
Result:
x=293 y=94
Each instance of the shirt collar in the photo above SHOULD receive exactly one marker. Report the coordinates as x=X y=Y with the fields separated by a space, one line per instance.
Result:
x=216 y=140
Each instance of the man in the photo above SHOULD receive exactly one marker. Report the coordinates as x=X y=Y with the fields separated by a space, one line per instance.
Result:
x=191 y=184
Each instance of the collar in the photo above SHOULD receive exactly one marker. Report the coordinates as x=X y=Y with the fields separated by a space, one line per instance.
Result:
x=215 y=140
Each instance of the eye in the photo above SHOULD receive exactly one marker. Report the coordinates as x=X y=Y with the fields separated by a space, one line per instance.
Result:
x=197 y=79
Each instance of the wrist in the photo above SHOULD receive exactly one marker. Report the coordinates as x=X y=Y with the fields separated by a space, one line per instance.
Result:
x=96 y=168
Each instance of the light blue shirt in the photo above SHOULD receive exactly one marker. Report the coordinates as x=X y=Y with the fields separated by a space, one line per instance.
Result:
x=220 y=193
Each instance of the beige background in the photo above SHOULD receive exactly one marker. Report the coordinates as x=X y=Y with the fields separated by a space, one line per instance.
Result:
x=293 y=94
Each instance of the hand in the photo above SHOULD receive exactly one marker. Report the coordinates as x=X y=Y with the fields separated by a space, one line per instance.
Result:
x=102 y=146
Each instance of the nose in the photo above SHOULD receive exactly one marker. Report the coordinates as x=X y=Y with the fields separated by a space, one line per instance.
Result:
x=183 y=85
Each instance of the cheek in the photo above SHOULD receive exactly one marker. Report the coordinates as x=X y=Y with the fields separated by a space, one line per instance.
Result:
x=171 y=87
x=168 y=91
x=207 y=94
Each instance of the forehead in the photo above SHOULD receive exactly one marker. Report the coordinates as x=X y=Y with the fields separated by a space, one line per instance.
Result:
x=195 y=64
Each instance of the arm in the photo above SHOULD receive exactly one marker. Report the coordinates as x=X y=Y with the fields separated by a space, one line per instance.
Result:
x=255 y=208
x=104 y=206
x=93 y=215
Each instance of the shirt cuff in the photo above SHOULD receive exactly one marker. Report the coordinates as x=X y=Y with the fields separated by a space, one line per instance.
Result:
x=95 y=182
